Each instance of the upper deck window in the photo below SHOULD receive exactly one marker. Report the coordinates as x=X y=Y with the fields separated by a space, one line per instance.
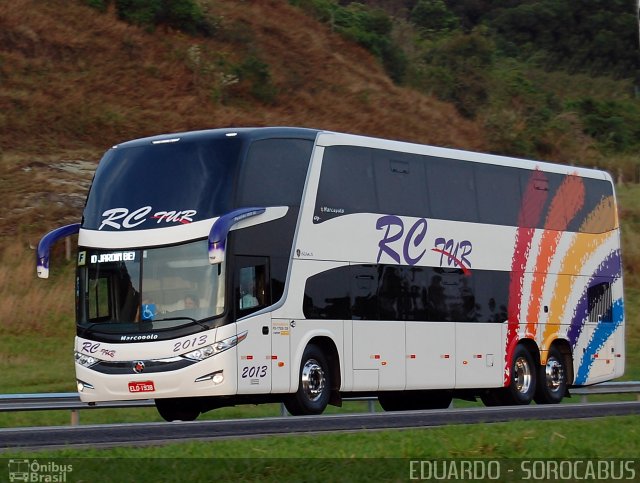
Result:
x=366 y=180
x=274 y=172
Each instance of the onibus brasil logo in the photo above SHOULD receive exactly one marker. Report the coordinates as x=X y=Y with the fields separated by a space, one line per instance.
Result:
x=34 y=471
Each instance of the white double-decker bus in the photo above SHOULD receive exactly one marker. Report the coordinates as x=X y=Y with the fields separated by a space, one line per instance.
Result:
x=259 y=265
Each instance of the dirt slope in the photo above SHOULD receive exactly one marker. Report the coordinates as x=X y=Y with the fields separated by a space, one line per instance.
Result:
x=74 y=81
x=73 y=77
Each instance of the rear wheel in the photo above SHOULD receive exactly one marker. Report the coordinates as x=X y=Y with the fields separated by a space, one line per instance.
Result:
x=314 y=384
x=494 y=397
x=177 y=409
x=522 y=387
x=552 y=381
x=523 y=378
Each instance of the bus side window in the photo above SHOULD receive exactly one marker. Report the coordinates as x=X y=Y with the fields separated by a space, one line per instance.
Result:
x=252 y=288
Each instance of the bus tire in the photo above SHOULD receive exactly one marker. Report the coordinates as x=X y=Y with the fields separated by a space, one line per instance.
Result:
x=522 y=387
x=314 y=384
x=177 y=409
x=552 y=379
x=494 y=397
x=390 y=401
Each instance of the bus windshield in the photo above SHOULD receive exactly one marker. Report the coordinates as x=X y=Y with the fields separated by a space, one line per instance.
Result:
x=162 y=185
x=159 y=288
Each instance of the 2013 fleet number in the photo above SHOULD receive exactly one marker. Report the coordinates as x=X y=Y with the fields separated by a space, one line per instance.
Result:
x=254 y=371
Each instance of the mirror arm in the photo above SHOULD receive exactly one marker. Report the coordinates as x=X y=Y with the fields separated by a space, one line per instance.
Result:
x=220 y=231
x=45 y=244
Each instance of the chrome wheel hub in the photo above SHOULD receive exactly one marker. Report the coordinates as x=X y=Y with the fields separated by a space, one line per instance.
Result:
x=312 y=380
x=554 y=374
x=522 y=375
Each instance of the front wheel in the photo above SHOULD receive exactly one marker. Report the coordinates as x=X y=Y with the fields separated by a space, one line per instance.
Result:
x=552 y=383
x=314 y=384
x=177 y=409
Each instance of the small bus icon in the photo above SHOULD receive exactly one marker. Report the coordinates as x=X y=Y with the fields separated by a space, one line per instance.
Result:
x=18 y=470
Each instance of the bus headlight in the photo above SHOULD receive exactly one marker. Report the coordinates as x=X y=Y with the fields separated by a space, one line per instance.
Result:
x=205 y=352
x=85 y=360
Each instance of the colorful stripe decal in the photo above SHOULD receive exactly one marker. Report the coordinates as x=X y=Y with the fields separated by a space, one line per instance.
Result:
x=581 y=249
x=561 y=266
x=603 y=331
x=577 y=255
x=532 y=203
x=610 y=268
x=569 y=199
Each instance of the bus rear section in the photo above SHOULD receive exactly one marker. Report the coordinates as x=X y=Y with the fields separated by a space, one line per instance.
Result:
x=461 y=274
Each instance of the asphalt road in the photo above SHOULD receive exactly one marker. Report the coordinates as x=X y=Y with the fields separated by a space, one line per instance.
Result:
x=159 y=433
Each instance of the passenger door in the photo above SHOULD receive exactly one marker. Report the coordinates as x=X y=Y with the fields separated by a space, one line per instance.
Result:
x=251 y=294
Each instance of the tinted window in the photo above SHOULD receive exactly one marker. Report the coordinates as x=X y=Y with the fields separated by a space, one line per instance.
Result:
x=491 y=292
x=452 y=191
x=400 y=183
x=598 y=212
x=393 y=292
x=548 y=220
x=364 y=291
x=498 y=194
x=274 y=172
x=160 y=182
x=346 y=183
x=326 y=295
x=365 y=180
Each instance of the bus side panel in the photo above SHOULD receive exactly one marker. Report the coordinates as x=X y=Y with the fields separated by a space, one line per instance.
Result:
x=380 y=345
x=431 y=355
x=479 y=355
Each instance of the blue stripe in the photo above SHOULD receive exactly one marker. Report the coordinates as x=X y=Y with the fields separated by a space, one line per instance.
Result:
x=600 y=335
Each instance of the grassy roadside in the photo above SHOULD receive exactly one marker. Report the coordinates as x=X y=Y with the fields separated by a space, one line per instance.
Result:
x=362 y=456
x=519 y=439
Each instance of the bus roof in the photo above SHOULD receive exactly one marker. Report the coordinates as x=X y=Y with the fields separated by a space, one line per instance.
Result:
x=330 y=138
x=247 y=133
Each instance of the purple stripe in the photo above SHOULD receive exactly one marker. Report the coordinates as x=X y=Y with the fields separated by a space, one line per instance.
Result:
x=609 y=268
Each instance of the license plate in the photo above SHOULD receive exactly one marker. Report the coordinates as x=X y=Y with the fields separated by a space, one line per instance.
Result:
x=142 y=386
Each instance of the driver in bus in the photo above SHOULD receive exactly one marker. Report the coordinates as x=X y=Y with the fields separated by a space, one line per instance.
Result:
x=247 y=290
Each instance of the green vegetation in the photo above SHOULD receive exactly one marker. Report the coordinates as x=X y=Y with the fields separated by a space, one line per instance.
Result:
x=185 y=15
x=490 y=58
x=371 y=456
x=369 y=27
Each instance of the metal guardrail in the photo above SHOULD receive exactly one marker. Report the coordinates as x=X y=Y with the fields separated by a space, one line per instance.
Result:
x=70 y=401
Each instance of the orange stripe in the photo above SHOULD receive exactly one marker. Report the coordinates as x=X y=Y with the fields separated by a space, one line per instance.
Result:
x=569 y=199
